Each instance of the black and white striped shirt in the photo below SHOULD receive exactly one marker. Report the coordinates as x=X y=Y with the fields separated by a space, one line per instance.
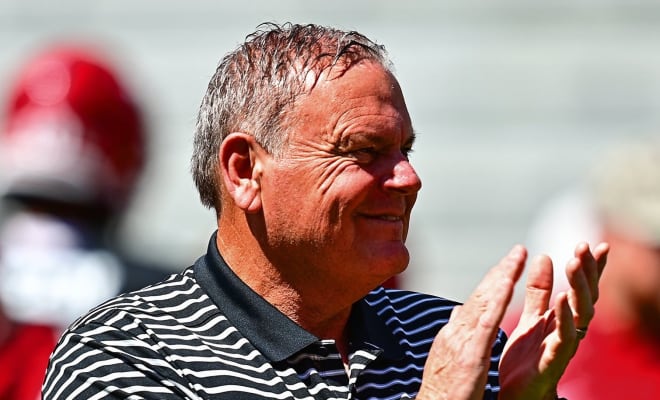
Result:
x=204 y=334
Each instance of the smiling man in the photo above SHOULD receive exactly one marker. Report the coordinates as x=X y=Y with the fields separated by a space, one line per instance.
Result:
x=302 y=148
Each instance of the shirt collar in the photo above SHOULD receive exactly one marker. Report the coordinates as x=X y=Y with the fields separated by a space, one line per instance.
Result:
x=369 y=328
x=274 y=334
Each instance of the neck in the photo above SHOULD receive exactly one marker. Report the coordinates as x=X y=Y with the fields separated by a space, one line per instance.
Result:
x=309 y=307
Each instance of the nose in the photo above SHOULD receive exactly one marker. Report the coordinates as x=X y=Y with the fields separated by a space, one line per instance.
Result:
x=403 y=178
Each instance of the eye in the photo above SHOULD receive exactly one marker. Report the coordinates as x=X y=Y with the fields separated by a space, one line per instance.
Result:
x=364 y=155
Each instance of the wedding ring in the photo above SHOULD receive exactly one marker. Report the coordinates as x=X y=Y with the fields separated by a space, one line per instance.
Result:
x=580 y=333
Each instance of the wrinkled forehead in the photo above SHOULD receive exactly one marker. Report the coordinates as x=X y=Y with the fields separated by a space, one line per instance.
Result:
x=366 y=98
x=330 y=72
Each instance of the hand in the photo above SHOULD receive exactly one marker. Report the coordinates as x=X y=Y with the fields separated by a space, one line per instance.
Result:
x=545 y=339
x=458 y=362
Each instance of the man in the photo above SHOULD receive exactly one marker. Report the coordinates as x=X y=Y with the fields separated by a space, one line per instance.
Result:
x=623 y=345
x=302 y=149
x=72 y=146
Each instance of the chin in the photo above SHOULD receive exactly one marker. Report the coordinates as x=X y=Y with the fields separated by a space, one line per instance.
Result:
x=391 y=263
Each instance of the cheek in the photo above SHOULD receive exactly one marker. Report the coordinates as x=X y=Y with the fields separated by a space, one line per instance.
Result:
x=316 y=196
x=332 y=175
x=339 y=185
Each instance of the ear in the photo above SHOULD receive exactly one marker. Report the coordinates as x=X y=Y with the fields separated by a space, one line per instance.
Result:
x=241 y=169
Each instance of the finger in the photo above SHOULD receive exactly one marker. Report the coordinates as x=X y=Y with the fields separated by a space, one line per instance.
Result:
x=579 y=295
x=589 y=266
x=485 y=308
x=564 y=322
x=497 y=286
x=600 y=254
x=592 y=265
x=557 y=344
x=538 y=288
x=560 y=341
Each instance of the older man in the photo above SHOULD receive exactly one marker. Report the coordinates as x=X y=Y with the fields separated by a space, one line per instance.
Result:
x=302 y=149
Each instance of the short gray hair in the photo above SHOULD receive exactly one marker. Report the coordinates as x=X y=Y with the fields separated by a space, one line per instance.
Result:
x=255 y=85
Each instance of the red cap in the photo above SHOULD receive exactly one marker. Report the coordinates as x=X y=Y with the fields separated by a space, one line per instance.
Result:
x=72 y=132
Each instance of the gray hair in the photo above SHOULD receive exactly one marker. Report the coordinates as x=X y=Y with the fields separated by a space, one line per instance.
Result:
x=255 y=86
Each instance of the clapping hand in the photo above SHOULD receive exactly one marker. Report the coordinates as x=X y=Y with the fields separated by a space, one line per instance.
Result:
x=545 y=339
x=539 y=348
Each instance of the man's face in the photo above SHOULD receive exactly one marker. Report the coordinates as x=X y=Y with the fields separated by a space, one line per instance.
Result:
x=337 y=202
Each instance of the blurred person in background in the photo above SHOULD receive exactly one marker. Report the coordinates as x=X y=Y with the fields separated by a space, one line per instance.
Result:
x=562 y=220
x=618 y=202
x=620 y=356
x=72 y=147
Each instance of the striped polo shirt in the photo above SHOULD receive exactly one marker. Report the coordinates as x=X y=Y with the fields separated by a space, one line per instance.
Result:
x=204 y=334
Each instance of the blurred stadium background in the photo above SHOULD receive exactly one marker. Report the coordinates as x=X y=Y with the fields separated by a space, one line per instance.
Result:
x=512 y=100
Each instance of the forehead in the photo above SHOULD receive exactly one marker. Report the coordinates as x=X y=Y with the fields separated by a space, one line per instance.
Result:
x=365 y=99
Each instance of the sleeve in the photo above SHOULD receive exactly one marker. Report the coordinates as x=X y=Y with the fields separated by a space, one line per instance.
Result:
x=100 y=361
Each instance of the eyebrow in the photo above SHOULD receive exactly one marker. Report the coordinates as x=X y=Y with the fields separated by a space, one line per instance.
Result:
x=376 y=139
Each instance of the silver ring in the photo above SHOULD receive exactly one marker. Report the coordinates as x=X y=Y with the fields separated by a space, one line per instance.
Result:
x=580 y=333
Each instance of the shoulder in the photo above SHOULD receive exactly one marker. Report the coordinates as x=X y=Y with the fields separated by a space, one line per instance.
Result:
x=128 y=341
x=405 y=302
x=173 y=299
x=417 y=314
